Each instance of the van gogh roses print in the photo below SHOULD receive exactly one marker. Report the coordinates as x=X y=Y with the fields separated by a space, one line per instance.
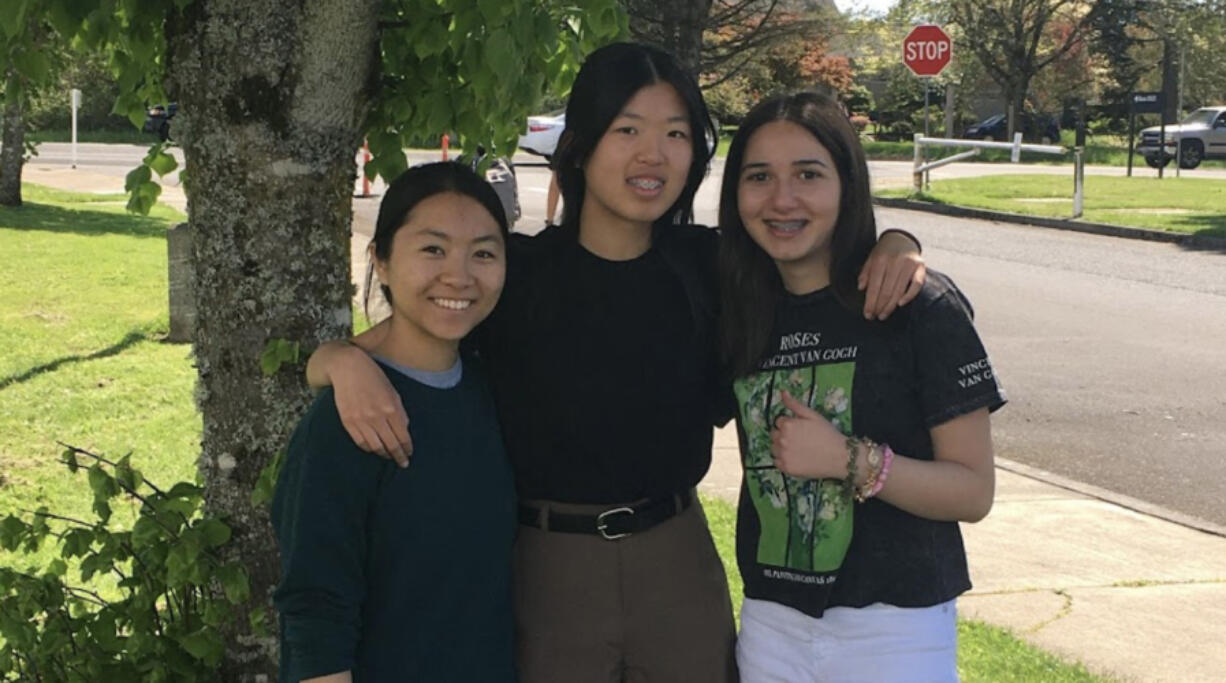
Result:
x=805 y=524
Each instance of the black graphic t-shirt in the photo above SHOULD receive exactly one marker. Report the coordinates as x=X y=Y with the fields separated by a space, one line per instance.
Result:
x=803 y=542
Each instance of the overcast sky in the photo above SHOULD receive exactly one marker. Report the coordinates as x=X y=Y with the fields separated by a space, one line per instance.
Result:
x=876 y=6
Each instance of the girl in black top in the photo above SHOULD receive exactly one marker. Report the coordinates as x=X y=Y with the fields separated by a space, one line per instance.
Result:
x=604 y=368
x=850 y=552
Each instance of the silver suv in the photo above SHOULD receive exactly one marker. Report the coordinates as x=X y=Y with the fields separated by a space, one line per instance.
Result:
x=1202 y=135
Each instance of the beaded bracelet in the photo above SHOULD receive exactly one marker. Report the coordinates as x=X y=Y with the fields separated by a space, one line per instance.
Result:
x=874 y=468
x=880 y=470
x=849 y=483
x=887 y=457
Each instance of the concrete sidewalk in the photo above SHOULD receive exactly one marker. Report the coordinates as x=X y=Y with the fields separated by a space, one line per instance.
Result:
x=1134 y=594
x=90 y=181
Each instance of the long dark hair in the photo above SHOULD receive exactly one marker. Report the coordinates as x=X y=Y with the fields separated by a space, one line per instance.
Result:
x=750 y=285
x=416 y=185
x=609 y=77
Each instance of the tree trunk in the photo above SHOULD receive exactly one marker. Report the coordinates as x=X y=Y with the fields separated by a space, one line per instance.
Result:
x=272 y=96
x=1015 y=99
x=12 y=155
x=673 y=25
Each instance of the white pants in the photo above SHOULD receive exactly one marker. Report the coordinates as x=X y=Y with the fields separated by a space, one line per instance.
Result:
x=878 y=644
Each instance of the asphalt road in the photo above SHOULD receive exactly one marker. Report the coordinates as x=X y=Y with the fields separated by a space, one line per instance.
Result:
x=1112 y=351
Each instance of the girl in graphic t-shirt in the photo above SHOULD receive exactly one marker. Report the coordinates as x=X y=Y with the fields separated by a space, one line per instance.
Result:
x=603 y=363
x=864 y=442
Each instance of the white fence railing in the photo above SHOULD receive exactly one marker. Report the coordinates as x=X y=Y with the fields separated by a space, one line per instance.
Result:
x=921 y=168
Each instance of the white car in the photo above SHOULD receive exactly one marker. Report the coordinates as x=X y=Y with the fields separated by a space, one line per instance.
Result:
x=543 y=133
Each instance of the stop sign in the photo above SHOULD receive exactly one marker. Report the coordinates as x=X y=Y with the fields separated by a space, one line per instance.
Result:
x=926 y=50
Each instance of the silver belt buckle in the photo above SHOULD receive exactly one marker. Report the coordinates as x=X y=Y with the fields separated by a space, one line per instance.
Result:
x=602 y=527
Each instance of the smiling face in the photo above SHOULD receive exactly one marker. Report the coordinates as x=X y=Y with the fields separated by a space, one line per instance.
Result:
x=445 y=271
x=788 y=195
x=639 y=166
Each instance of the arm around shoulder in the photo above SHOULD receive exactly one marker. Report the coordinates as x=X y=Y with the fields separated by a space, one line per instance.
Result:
x=369 y=407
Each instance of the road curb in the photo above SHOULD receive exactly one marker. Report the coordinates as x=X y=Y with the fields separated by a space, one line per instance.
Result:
x=1105 y=229
x=1098 y=493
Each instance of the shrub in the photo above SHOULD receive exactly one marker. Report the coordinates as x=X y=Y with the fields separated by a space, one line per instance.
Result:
x=174 y=593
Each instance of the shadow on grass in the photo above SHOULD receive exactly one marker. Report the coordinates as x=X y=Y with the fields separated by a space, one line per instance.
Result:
x=1213 y=226
x=113 y=350
x=35 y=216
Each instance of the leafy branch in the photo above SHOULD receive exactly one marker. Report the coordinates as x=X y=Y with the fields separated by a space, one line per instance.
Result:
x=159 y=620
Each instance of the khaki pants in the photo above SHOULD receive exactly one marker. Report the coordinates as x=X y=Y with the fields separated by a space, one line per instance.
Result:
x=649 y=608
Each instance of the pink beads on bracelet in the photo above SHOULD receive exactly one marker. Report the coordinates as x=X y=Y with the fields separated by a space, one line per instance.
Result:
x=879 y=470
x=887 y=457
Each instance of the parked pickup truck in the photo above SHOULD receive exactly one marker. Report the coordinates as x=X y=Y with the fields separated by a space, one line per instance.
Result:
x=1202 y=135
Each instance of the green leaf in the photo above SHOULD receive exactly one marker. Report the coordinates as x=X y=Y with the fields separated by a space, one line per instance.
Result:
x=190 y=545
x=502 y=55
x=137 y=177
x=76 y=543
x=94 y=564
x=439 y=119
x=161 y=163
x=276 y=352
x=124 y=474
x=144 y=197
x=12 y=530
x=33 y=64
x=491 y=11
x=205 y=645
x=57 y=567
x=102 y=484
x=259 y=622
x=233 y=581
x=103 y=510
x=184 y=490
x=13 y=17
x=213 y=532
x=266 y=484
x=145 y=531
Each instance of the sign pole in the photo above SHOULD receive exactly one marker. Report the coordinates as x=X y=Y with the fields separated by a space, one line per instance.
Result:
x=75 y=96
x=1079 y=181
x=1178 y=116
x=1132 y=131
x=927 y=123
x=1162 y=144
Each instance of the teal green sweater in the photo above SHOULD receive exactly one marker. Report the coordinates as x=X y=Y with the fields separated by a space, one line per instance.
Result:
x=398 y=575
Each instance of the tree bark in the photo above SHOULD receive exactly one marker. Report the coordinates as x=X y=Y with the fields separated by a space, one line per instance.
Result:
x=272 y=96
x=12 y=156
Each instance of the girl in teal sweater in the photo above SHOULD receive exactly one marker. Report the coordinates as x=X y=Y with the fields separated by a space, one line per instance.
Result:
x=404 y=574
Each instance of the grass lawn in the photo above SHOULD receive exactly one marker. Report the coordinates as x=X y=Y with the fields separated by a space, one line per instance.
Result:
x=82 y=315
x=1187 y=205
x=82 y=312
